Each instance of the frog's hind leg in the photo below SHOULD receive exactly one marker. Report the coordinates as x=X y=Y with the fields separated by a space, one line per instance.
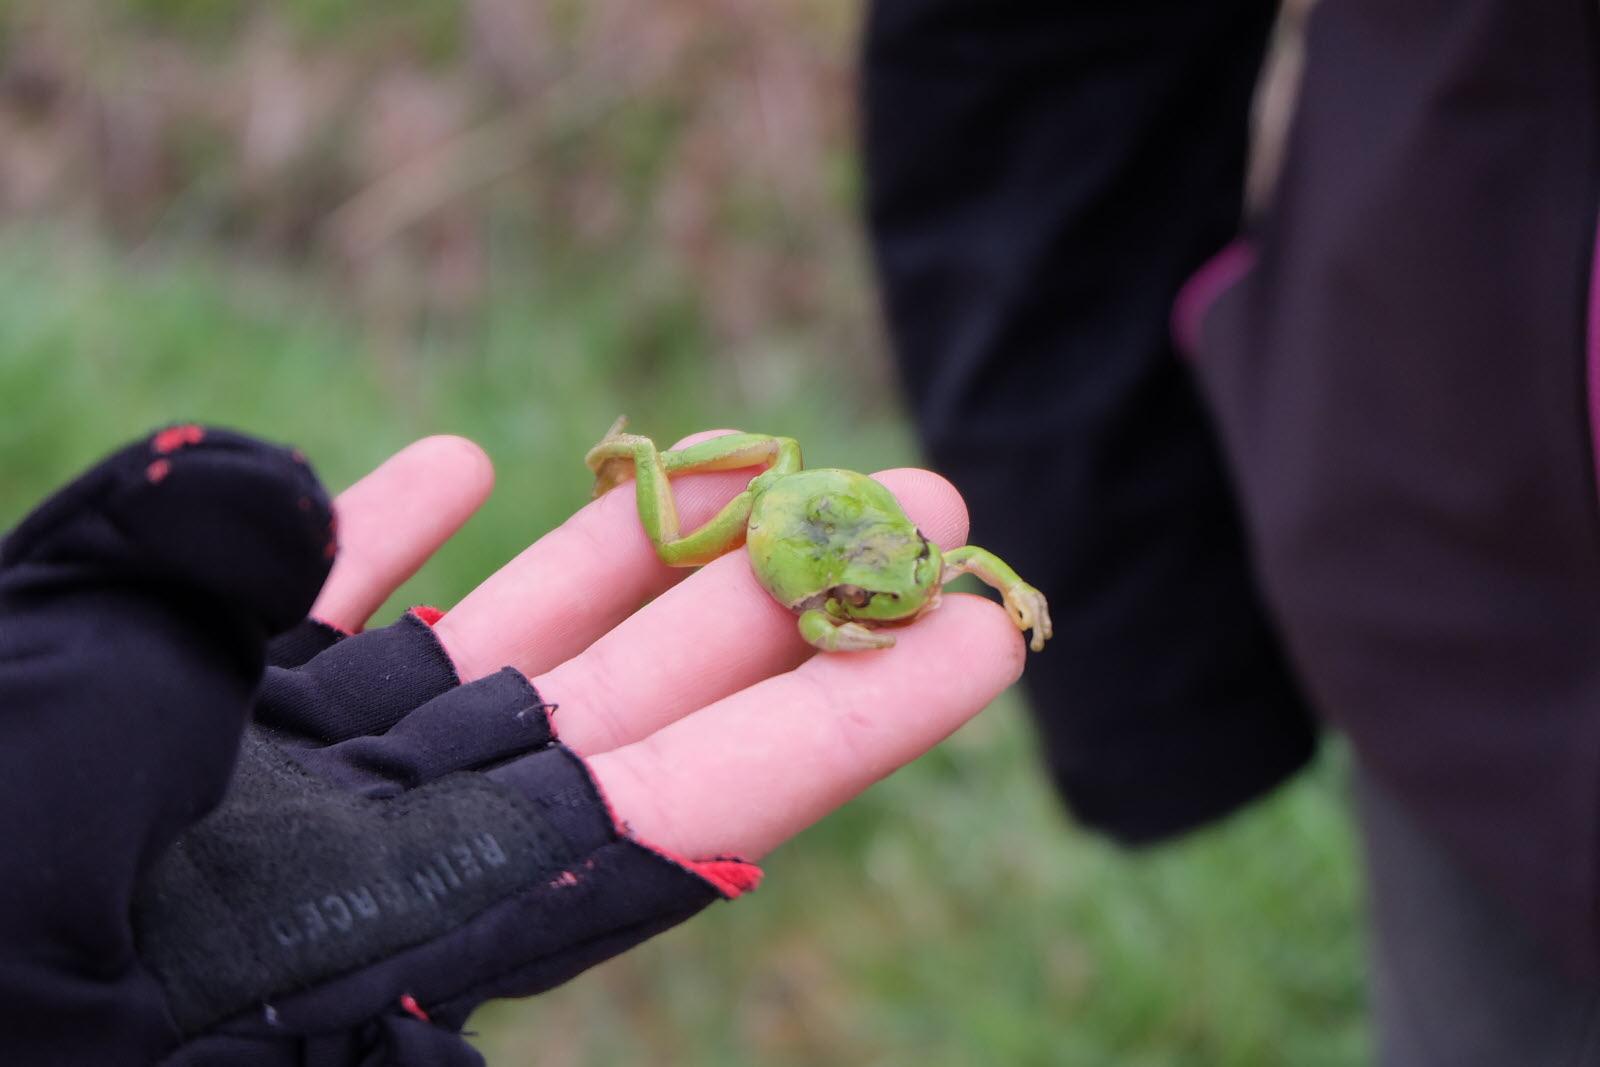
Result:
x=612 y=458
x=658 y=512
x=1023 y=602
x=610 y=461
x=779 y=455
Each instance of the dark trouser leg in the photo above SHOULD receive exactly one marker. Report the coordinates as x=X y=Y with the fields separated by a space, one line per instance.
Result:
x=1041 y=177
x=1456 y=980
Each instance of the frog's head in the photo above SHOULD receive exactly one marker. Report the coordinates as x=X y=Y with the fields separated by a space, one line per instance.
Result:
x=887 y=578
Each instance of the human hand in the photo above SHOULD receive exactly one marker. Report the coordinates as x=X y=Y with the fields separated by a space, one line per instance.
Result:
x=728 y=742
x=711 y=726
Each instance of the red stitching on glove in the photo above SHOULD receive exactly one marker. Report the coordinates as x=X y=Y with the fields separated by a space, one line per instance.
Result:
x=175 y=437
x=732 y=877
x=428 y=615
x=409 y=1004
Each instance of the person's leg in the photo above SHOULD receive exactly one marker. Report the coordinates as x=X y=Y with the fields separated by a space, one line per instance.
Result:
x=1456 y=979
x=1041 y=178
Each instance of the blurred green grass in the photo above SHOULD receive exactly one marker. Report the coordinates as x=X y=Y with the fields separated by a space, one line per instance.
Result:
x=951 y=916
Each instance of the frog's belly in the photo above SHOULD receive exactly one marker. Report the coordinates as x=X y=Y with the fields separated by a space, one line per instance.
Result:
x=807 y=528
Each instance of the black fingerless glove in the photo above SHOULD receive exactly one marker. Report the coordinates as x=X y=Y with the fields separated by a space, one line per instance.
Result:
x=342 y=879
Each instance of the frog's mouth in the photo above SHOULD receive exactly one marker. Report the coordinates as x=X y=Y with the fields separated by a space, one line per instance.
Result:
x=814 y=601
x=844 y=597
x=851 y=599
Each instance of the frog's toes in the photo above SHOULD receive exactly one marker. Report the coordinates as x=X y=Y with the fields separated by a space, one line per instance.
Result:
x=610 y=473
x=853 y=637
x=824 y=634
x=1029 y=611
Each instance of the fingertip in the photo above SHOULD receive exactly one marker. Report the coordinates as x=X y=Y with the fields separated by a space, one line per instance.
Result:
x=971 y=641
x=469 y=466
x=1010 y=642
x=393 y=519
x=959 y=657
x=933 y=503
x=1000 y=637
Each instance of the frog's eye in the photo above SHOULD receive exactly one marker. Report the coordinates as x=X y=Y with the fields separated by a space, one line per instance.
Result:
x=920 y=571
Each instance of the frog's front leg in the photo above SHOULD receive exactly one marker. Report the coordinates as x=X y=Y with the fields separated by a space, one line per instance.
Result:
x=658 y=511
x=1025 y=603
x=823 y=631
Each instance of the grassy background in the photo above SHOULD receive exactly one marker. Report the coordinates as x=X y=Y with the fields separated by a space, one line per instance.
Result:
x=950 y=916
x=648 y=209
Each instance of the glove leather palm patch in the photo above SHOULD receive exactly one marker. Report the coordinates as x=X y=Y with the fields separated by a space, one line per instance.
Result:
x=354 y=879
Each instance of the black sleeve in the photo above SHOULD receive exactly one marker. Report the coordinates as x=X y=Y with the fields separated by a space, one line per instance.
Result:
x=1041 y=179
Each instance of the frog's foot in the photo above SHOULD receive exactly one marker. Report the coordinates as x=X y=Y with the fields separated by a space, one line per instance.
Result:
x=1024 y=603
x=822 y=632
x=612 y=465
x=608 y=474
x=1027 y=608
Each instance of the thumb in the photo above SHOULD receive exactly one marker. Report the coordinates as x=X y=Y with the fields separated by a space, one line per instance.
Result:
x=134 y=605
x=199 y=512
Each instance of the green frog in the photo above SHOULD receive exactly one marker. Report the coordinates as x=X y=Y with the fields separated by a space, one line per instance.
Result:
x=833 y=546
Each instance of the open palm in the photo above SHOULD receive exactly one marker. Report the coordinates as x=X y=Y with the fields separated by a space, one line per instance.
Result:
x=711 y=726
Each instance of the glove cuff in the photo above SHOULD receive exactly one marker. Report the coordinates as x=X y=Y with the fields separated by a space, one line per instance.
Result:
x=730 y=876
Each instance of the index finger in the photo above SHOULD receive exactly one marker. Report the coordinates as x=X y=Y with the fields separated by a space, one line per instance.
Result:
x=576 y=582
